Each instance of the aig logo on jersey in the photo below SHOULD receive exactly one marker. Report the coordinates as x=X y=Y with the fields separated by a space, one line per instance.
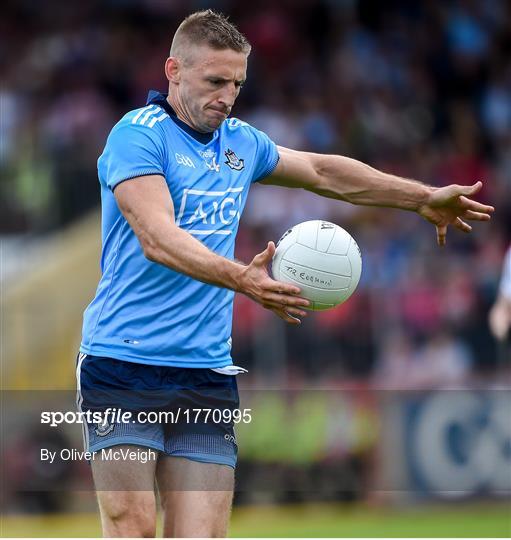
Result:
x=233 y=160
x=210 y=212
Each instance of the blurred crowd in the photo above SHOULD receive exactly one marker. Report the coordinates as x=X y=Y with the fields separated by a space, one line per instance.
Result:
x=420 y=89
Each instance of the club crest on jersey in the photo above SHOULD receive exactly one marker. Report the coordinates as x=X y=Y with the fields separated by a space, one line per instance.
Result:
x=233 y=160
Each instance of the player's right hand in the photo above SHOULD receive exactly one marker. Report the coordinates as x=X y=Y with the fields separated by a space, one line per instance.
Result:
x=281 y=298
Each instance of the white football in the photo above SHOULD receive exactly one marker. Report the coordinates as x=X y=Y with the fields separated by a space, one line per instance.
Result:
x=322 y=259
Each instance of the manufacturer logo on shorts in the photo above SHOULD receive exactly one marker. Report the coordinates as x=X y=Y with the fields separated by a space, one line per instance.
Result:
x=103 y=428
x=230 y=438
x=233 y=160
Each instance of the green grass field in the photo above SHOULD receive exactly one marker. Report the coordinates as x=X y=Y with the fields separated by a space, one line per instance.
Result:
x=323 y=520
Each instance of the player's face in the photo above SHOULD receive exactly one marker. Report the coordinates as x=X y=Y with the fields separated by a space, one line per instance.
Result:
x=209 y=86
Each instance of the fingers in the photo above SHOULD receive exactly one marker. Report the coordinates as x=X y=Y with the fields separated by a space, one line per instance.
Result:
x=289 y=313
x=286 y=306
x=441 y=230
x=452 y=205
x=286 y=316
x=278 y=300
x=473 y=189
x=279 y=287
x=462 y=225
x=288 y=309
x=264 y=258
x=441 y=233
x=295 y=311
x=270 y=248
x=476 y=216
x=469 y=204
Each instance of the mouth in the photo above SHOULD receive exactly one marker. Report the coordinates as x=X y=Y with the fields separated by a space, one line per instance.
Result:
x=220 y=112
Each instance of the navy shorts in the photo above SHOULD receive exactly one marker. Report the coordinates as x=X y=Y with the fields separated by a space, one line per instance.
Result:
x=182 y=412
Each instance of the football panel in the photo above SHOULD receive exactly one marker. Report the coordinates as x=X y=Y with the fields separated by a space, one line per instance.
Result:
x=325 y=296
x=308 y=233
x=340 y=242
x=318 y=306
x=322 y=262
x=326 y=233
x=310 y=276
x=275 y=264
x=356 y=266
x=287 y=240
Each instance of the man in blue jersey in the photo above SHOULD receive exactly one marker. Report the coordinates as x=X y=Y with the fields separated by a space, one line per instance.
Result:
x=174 y=178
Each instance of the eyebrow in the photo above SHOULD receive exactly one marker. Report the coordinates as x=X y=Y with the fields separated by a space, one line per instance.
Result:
x=224 y=79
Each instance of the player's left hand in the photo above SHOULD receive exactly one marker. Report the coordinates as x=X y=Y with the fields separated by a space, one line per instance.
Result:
x=452 y=205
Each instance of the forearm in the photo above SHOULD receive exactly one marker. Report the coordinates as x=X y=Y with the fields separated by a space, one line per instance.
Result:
x=165 y=243
x=355 y=182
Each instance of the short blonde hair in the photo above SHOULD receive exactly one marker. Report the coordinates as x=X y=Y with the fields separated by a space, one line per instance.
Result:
x=208 y=28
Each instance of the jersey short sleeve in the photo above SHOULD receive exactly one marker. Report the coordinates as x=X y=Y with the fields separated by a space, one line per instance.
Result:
x=505 y=282
x=131 y=150
x=267 y=155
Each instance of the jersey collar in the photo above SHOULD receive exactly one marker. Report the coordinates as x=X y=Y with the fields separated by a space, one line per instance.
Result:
x=158 y=98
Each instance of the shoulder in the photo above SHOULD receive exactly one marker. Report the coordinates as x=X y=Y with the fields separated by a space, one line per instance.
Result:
x=233 y=123
x=139 y=129
x=138 y=137
x=146 y=120
x=239 y=128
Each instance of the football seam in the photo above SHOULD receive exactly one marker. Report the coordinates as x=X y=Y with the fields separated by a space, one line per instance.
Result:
x=331 y=240
x=319 y=288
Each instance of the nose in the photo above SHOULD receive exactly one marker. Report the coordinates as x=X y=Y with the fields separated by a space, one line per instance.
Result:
x=228 y=95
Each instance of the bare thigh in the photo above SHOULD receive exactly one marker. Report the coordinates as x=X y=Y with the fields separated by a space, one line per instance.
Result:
x=196 y=497
x=126 y=493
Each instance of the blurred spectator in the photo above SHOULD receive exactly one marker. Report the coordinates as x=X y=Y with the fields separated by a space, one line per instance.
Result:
x=442 y=362
x=500 y=314
x=39 y=487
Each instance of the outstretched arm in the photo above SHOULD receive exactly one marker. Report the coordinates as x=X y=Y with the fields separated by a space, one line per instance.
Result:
x=347 y=179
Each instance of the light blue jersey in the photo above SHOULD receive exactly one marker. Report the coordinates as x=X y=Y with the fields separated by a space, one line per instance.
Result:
x=145 y=312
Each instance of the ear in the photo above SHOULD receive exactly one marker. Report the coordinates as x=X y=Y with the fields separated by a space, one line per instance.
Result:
x=172 y=69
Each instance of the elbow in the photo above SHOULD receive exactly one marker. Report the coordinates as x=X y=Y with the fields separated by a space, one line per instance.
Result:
x=150 y=254
x=325 y=188
x=150 y=250
x=154 y=244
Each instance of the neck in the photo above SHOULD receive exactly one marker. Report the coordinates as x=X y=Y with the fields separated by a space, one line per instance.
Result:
x=180 y=110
